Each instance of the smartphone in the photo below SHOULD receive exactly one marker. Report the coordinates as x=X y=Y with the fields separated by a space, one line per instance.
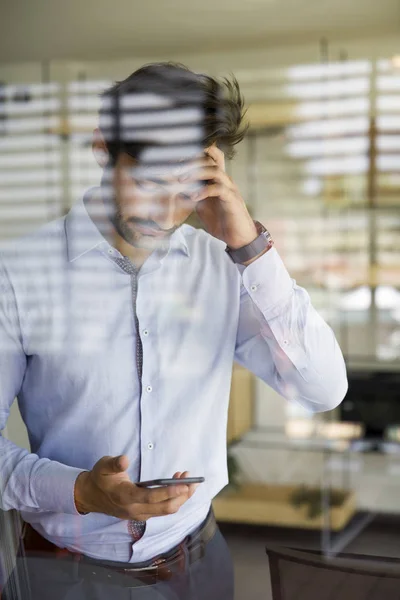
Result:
x=165 y=482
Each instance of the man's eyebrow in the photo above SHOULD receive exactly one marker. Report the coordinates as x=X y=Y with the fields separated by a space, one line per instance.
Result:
x=155 y=173
x=147 y=174
x=160 y=177
x=145 y=177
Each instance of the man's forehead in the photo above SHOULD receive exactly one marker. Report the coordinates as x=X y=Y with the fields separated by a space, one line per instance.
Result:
x=173 y=169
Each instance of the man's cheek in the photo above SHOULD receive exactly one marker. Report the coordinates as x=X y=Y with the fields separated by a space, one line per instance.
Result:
x=184 y=211
x=132 y=202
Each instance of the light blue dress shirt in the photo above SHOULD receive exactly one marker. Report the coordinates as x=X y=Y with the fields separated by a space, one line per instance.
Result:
x=67 y=351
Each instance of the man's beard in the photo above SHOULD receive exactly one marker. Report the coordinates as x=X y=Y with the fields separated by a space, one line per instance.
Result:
x=134 y=238
x=121 y=225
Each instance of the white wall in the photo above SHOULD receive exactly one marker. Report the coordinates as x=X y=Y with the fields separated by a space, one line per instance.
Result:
x=254 y=58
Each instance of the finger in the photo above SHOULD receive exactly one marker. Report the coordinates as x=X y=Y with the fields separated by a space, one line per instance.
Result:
x=206 y=161
x=192 y=486
x=161 y=494
x=176 y=475
x=126 y=493
x=168 y=507
x=214 y=190
x=208 y=170
x=110 y=465
x=206 y=174
x=122 y=463
x=217 y=155
x=140 y=511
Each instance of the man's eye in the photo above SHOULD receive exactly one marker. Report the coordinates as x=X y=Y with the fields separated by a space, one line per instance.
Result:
x=185 y=196
x=193 y=188
x=147 y=186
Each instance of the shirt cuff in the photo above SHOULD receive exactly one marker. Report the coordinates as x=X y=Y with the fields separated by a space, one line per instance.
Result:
x=53 y=487
x=268 y=283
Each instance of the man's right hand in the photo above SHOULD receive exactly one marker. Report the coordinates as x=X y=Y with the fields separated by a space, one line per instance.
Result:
x=107 y=489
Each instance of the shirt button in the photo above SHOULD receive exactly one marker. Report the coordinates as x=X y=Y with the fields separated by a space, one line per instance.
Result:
x=286 y=342
x=146 y=332
x=150 y=446
x=254 y=288
x=149 y=389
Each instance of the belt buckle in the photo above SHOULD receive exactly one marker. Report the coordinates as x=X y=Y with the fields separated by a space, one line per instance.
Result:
x=181 y=558
x=163 y=572
x=147 y=575
x=201 y=548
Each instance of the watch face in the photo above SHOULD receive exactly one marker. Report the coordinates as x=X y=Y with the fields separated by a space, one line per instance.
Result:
x=260 y=227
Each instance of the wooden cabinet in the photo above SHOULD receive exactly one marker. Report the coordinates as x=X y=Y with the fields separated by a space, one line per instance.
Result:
x=273 y=505
x=241 y=403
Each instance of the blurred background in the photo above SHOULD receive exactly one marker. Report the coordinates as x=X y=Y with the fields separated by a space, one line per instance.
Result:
x=320 y=167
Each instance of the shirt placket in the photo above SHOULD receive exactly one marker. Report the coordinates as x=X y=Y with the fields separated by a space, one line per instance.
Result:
x=136 y=528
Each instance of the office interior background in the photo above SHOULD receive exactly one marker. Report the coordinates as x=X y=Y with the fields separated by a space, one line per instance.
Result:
x=320 y=166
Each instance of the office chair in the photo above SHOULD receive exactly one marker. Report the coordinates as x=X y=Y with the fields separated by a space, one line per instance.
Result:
x=308 y=575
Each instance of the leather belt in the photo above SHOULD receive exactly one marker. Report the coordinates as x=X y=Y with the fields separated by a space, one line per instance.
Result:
x=160 y=568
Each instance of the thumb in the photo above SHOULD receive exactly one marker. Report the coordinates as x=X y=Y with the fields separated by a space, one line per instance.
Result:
x=110 y=465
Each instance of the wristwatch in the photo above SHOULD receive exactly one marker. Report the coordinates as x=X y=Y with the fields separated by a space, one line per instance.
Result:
x=256 y=247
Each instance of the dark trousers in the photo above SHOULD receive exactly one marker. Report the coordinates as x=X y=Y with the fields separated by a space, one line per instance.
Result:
x=49 y=578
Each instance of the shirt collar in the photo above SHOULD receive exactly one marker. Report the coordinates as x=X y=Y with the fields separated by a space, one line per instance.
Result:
x=177 y=242
x=83 y=235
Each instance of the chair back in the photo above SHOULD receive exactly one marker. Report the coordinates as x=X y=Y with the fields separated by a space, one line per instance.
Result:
x=309 y=575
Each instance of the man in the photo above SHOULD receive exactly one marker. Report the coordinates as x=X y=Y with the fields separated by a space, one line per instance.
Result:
x=119 y=327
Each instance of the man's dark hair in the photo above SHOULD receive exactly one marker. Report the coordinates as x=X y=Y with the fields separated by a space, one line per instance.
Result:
x=158 y=88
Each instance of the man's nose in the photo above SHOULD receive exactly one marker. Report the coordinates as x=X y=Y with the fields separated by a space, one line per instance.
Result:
x=165 y=208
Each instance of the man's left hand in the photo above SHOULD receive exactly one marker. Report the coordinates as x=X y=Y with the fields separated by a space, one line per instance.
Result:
x=219 y=203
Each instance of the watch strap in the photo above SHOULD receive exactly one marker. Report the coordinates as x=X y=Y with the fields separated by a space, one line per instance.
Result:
x=256 y=247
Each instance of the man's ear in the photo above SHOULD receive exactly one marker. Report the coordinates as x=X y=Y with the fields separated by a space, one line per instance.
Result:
x=99 y=149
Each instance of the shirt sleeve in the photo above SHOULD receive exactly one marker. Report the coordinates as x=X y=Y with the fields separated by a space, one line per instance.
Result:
x=27 y=482
x=284 y=341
